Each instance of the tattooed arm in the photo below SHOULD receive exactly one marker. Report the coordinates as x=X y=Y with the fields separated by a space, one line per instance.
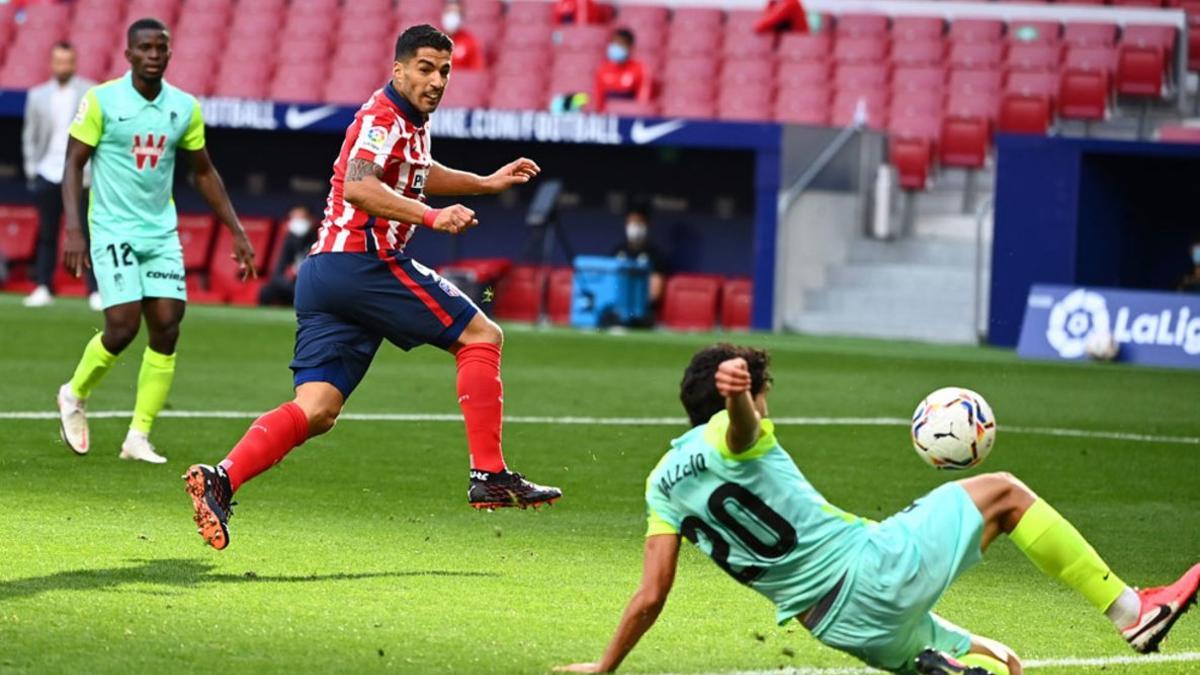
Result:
x=367 y=192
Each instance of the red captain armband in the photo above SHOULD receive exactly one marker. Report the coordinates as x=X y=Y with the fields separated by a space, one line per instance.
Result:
x=430 y=216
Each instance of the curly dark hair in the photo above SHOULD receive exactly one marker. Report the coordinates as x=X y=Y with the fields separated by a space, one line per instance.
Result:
x=698 y=390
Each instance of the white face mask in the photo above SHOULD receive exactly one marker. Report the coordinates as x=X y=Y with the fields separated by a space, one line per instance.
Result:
x=635 y=232
x=298 y=227
x=451 y=22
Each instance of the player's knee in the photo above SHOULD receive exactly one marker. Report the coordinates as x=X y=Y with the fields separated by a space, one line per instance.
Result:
x=482 y=330
x=322 y=419
x=163 y=340
x=119 y=334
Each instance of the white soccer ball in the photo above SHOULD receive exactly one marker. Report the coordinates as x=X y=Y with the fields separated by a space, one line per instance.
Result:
x=953 y=428
x=1100 y=346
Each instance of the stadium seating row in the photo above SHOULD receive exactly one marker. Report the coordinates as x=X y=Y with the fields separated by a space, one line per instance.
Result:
x=691 y=301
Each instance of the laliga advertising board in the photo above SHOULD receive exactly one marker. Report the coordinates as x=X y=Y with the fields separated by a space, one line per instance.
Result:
x=1152 y=328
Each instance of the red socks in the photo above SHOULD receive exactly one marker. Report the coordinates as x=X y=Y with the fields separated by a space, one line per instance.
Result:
x=481 y=397
x=266 y=443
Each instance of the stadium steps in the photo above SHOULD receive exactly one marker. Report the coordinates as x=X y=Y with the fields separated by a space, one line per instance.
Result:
x=914 y=289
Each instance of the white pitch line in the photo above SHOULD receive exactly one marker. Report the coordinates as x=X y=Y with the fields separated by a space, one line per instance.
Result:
x=624 y=421
x=1033 y=664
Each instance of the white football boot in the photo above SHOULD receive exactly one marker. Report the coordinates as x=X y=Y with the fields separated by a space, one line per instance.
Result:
x=95 y=302
x=72 y=416
x=40 y=297
x=137 y=447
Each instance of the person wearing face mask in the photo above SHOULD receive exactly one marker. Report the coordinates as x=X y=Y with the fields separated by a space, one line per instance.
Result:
x=280 y=289
x=1191 y=283
x=468 y=53
x=637 y=246
x=621 y=76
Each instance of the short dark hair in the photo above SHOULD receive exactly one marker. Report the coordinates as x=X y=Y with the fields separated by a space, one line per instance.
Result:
x=698 y=390
x=147 y=23
x=624 y=34
x=422 y=35
x=641 y=206
x=62 y=44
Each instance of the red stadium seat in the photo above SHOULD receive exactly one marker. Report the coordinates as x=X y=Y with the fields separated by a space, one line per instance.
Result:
x=524 y=12
x=846 y=105
x=1194 y=48
x=467 y=89
x=914 y=105
x=964 y=142
x=807 y=105
x=625 y=108
x=976 y=55
x=737 y=103
x=1140 y=70
x=519 y=293
x=696 y=109
x=477 y=10
x=1034 y=32
x=1179 y=134
x=924 y=52
x=690 y=68
x=587 y=38
x=737 y=299
x=196 y=235
x=298 y=83
x=522 y=62
x=1045 y=84
x=558 y=296
x=1083 y=94
x=906 y=28
x=518 y=93
x=976 y=30
x=983 y=104
x=856 y=77
x=690 y=302
x=852 y=25
x=1090 y=34
x=860 y=50
x=975 y=82
x=912 y=158
x=748 y=46
x=18 y=232
x=799 y=47
x=1033 y=57
x=697 y=19
x=683 y=42
x=791 y=75
x=1150 y=36
x=922 y=79
x=525 y=37
x=1024 y=114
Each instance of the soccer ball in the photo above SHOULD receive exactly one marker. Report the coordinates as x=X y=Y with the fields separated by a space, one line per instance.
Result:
x=953 y=428
x=1100 y=346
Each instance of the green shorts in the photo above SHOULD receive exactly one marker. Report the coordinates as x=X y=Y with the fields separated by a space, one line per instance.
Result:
x=883 y=615
x=131 y=268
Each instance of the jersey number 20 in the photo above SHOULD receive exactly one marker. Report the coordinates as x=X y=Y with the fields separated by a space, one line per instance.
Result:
x=785 y=534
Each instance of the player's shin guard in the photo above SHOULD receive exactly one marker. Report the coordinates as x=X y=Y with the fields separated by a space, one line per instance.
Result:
x=1057 y=549
x=481 y=397
x=93 y=366
x=266 y=443
x=154 y=384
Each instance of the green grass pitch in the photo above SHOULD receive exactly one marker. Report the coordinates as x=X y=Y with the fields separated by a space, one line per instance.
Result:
x=359 y=554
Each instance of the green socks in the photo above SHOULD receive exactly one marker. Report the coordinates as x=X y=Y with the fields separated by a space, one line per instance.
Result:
x=92 y=368
x=1058 y=549
x=154 y=383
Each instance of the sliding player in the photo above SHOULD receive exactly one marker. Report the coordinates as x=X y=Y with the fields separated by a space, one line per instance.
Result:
x=861 y=587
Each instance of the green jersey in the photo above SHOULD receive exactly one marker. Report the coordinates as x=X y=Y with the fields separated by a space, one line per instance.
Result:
x=754 y=514
x=133 y=165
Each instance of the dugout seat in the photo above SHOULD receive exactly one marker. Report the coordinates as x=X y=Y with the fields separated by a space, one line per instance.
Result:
x=913 y=159
x=18 y=232
x=519 y=293
x=1140 y=70
x=737 y=299
x=1024 y=114
x=223 y=278
x=196 y=236
x=964 y=142
x=1083 y=94
x=558 y=296
x=690 y=302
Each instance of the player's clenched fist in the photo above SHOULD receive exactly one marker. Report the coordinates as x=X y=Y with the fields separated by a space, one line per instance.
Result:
x=733 y=377
x=455 y=219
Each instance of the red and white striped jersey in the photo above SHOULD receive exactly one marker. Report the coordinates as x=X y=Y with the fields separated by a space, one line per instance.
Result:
x=390 y=132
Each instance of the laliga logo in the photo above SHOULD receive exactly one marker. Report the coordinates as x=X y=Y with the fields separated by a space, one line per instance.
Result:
x=1083 y=313
x=1073 y=319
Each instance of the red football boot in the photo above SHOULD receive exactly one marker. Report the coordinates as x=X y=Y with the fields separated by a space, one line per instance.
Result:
x=1161 y=608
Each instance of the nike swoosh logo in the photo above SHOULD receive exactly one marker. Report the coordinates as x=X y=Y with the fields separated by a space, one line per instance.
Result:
x=124 y=119
x=642 y=134
x=295 y=118
x=1106 y=575
x=1163 y=612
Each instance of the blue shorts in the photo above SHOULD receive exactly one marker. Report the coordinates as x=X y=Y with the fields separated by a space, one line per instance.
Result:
x=884 y=614
x=347 y=304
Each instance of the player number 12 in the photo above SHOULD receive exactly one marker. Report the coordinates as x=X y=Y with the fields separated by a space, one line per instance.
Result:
x=126 y=255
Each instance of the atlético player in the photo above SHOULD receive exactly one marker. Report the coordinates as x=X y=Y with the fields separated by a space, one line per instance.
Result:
x=359 y=288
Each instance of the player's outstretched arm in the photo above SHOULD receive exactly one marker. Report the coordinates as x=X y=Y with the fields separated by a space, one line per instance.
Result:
x=366 y=191
x=447 y=182
x=75 y=255
x=658 y=574
x=212 y=188
x=733 y=382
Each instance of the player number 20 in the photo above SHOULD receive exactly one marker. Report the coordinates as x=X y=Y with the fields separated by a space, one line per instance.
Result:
x=126 y=257
x=765 y=517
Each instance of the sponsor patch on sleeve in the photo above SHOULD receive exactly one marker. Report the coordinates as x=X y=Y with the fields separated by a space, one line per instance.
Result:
x=81 y=112
x=375 y=140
